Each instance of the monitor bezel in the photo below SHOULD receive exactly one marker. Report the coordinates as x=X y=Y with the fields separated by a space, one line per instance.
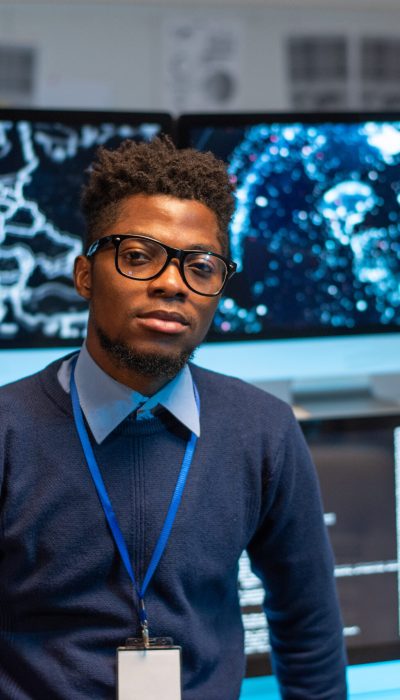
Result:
x=238 y=119
x=78 y=116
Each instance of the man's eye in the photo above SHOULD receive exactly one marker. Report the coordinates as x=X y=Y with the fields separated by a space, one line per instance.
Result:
x=136 y=257
x=205 y=267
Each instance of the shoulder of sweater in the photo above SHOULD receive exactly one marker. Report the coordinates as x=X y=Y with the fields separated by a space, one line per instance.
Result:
x=28 y=389
x=251 y=398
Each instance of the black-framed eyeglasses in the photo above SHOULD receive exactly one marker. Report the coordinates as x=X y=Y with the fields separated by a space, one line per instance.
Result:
x=143 y=258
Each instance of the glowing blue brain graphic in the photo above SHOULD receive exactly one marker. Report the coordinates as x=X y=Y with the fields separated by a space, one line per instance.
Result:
x=322 y=201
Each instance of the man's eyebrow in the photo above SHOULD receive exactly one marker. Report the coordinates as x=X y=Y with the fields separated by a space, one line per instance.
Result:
x=200 y=246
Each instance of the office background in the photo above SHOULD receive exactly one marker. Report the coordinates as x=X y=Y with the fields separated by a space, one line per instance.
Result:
x=261 y=54
x=222 y=56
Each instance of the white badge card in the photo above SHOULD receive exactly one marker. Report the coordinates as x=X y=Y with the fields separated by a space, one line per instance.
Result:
x=149 y=674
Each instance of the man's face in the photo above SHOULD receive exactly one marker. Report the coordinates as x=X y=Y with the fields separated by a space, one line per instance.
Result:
x=160 y=316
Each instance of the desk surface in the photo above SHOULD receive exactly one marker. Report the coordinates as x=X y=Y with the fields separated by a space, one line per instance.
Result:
x=366 y=682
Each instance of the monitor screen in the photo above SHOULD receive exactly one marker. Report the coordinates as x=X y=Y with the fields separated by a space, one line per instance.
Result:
x=43 y=158
x=358 y=464
x=316 y=227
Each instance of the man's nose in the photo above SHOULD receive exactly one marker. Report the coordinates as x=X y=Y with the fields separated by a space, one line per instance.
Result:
x=170 y=282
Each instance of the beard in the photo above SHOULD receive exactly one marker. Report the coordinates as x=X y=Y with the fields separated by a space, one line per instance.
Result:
x=149 y=364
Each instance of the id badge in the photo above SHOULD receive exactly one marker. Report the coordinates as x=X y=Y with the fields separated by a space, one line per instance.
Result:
x=149 y=674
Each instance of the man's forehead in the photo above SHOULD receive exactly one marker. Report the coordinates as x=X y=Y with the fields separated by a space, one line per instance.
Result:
x=145 y=214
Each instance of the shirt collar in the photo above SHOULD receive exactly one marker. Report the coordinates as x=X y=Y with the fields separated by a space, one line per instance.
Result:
x=106 y=403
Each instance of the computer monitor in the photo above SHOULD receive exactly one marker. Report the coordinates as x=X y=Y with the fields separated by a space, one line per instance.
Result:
x=316 y=237
x=358 y=464
x=43 y=158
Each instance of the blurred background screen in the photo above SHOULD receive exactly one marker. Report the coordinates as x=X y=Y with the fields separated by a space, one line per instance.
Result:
x=43 y=159
x=315 y=233
x=358 y=465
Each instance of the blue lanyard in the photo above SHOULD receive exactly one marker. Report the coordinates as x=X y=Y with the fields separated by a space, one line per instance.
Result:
x=108 y=509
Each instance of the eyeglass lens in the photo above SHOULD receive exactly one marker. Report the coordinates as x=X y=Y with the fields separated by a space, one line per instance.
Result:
x=143 y=259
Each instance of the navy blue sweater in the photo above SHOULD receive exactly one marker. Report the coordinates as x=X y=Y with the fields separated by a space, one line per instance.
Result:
x=65 y=598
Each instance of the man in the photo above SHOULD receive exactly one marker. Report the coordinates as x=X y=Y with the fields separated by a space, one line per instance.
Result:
x=75 y=582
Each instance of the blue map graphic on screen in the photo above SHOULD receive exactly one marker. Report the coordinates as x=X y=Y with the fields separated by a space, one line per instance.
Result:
x=316 y=229
x=42 y=167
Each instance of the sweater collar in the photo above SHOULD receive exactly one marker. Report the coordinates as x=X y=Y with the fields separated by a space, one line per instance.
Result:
x=106 y=403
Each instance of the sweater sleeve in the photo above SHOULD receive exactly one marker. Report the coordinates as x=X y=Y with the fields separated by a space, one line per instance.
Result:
x=291 y=553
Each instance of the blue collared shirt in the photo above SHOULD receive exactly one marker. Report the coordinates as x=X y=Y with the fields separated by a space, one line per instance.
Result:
x=106 y=403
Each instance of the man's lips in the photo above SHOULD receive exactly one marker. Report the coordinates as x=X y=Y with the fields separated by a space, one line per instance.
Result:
x=164 y=321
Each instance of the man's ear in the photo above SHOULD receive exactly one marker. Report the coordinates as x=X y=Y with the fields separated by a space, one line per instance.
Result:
x=83 y=276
